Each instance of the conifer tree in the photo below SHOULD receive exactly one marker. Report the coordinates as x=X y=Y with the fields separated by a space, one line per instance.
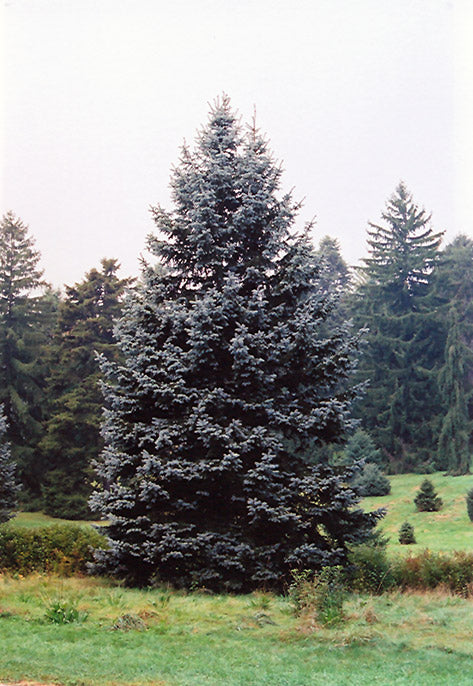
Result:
x=427 y=499
x=22 y=335
x=225 y=387
x=72 y=433
x=8 y=486
x=401 y=408
x=453 y=444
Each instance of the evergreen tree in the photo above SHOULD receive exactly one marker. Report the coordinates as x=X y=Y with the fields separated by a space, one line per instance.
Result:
x=225 y=387
x=453 y=445
x=401 y=408
x=72 y=438
x=21 y=341
x=406 y=534
x=8 y=486
x=469 y=504
x=427 y=499
x=360 y=446
x=372 y=481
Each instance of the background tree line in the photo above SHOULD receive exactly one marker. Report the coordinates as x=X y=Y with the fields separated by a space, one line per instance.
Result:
x=412 y=299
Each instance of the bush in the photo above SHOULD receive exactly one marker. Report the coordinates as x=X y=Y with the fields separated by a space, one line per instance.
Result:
x=370 y=570
x=426 y=499
x=372 y=481
x=61 y=612
x=66 y=549
x=469 y=504
x=431 y=570
x=322 y=593
x=406 y=534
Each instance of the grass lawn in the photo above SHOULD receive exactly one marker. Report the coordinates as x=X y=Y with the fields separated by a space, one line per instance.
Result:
x=30 y=520
x=254 y=640
x=446 y=530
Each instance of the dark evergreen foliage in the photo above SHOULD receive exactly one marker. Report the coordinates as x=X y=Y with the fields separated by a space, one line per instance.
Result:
x=453 y=445
x=469 y=504
x=24 y=318
x=8 y=485
x=372 y=481
x=225 y=388
x=427 y=499
x=72 y=437
x=402 y=407
x=406 y=534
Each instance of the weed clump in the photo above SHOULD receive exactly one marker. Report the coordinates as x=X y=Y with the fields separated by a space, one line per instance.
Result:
x=322 y=593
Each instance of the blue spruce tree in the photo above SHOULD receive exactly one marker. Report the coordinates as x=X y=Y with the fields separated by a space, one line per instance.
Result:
x=226 y=387
x=8 y=485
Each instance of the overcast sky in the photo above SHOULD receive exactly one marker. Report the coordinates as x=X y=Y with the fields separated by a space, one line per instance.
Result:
x=354 y=95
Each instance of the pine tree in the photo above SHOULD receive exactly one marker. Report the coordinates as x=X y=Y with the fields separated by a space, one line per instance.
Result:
x=8 y=485
x=21 y=339
x=372 y=481
x=225 y=387
x=453 y=444
x=360 y=446
x=72 y=438
x=401 y=408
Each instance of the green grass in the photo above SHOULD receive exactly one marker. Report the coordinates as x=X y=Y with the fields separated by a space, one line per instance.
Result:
x=30 y=520
x=447 y=530
x=212 y=640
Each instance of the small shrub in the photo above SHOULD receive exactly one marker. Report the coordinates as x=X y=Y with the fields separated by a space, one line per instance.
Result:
x=61 y=612
x=432 y=570
x=372 y=481
x=427 y=499
x=469 y=504
x=406 y=534
x=323 y=593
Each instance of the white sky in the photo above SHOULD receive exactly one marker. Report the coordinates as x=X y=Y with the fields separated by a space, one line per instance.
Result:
x=354 y=95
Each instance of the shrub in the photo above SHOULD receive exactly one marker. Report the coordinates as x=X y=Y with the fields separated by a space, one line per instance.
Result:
x=430 y=570
x=372 y=481
x=65 y=548
x=322 y=593
x=406 y=534
x=469 y=504
x=370 y=570
x=426 y=499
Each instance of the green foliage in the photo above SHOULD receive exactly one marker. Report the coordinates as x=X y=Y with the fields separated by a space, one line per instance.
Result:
x=371 y=481
x=405 y=341
x=25 y=319
x=66 y=549
x=360 y=446
x=429 y=570
x=72 y=438
x=427 y=499
x=370 y=569
x=469 y=504
x=453 y=444
x=323 y=593
x=406 y=534
x=63 y=612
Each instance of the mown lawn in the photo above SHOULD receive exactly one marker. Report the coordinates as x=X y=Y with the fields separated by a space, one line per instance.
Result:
x=199 y=639
x=31 y=520
x=446 y=530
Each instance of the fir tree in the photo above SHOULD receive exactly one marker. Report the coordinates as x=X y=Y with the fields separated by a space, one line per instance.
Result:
x=22 y=336
x=225 y=387
x=72 y=438
x=401 y=407
x=372 y=481
x=406 y=534
x=453 y=445
x=360 y=446
x=469 y=504
x=427 y=499
x=8 y=486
